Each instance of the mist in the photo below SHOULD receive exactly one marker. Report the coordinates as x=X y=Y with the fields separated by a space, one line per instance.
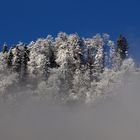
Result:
x=116 y=117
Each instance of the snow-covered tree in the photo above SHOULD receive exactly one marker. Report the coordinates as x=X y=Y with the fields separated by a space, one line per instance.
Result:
x=10 y=59
x=24 y=61
x=41 y=56
x=65 y=60
x=95 y=55
x=75 y=43
x=5 y=48
x=99 y=43
x=17 y=60
x=3 y=62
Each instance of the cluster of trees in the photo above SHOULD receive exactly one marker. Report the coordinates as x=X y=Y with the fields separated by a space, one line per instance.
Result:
x=66 y=52
x=15 y=59
x=68 y=65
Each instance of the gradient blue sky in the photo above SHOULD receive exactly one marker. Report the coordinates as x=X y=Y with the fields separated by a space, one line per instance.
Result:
x=26 y=20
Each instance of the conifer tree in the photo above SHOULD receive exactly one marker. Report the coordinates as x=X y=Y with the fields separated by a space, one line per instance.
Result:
x=24 y=61
x=75 y=43
x=5 y=48
x=10 y=59
x=3 y=58
x=122 y=47
x=17 y=60
x=41 y=58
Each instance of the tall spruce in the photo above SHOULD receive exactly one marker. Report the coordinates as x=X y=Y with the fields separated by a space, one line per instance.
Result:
x=10 y=59
x=122 y=47
x=5 y=48
x=24 y=61
x=17 y=60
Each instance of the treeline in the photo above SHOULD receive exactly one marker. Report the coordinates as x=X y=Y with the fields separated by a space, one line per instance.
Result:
x=66 y=53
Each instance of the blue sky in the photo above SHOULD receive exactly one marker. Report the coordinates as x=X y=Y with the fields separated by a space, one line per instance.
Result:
x=26 y=20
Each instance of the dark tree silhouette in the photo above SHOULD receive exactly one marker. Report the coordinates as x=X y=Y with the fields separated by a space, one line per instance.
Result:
x=122 y=47
x=24 y=61
x=10 y=59
x=5 y=48
x=18 y=60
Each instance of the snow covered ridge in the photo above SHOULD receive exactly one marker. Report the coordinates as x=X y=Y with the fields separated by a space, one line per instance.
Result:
x=66 y=68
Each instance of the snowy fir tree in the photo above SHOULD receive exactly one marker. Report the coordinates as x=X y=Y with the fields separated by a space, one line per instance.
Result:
x=10 y=59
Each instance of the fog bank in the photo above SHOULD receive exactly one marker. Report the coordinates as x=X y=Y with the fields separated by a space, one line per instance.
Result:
x=116 y=117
